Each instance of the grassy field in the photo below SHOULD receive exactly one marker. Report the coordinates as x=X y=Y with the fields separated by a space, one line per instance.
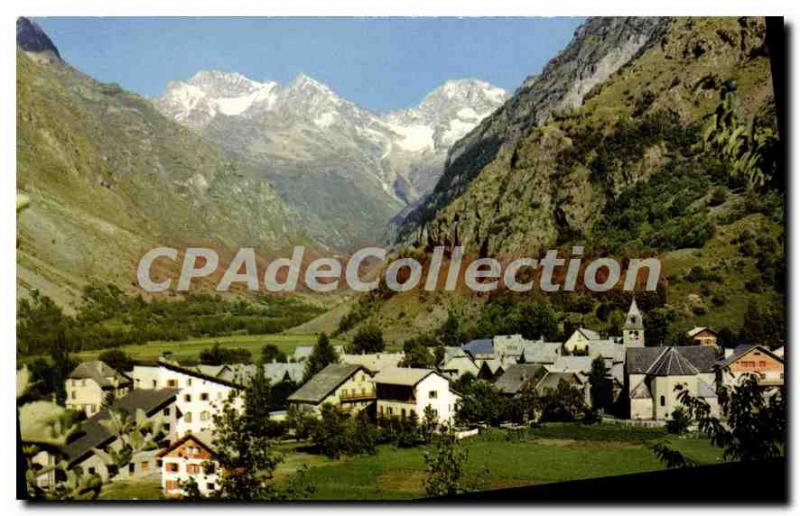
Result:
x=190 y=349
x=497 y=459
x=555 y=453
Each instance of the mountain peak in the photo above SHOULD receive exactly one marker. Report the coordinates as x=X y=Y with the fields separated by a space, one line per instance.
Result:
x=31 y=38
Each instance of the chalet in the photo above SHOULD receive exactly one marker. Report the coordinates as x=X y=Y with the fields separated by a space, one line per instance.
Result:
x=189 y=458
x=404 y=390
x=508 y=348
x=652 y=375
x=91 y=384
x=752 y=359
x=702 y=336
x=347 y=386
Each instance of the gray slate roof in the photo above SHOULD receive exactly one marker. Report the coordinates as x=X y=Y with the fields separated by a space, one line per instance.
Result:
x=94 y=435
x=517 y=375
x=324 y=382
x=541 y=352
x=479 y=347
x=552 y=378
x=672 y=363
x=99 y=372
x=639 y=360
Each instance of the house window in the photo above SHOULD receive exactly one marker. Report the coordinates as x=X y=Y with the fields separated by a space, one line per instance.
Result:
x=193 y=469
x=210 y=486
x=205 y=415
x=131 y=468
x=188 y=382
x=188 y=417
x=94 y=409
x=166 y=427
x=762 y=363
x=763 y=376
x=166 y=411
x=663 y=401
x=402 y=412
x=172 y=467
x=73 y=393
x=145 y=465
x=83 y=383
x=432 y=395
x=210 y=469
x=204 y=396
x=172 y=485
x=92 y=471
x=172 y=383
x=187 y=397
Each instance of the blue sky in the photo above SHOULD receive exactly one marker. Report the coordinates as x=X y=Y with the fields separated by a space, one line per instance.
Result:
x=379 y=63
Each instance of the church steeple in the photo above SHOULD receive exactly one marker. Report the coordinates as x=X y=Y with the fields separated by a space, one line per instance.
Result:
x=633 y=331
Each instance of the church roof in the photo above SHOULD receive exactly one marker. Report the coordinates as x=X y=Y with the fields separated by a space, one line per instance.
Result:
x=672 y=363
x=640 y=360
x=633 y=321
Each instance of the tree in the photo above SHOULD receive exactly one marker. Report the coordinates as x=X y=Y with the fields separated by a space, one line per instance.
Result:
x=116 y=359
x=134 y=434
x=564 y=403
x=679 y=421
x=322 y=355
x=445 y=463
x=449 y=333
x=368 y=339
x=481 y=402
x=218 y=355
x=600 y=384
x=271 y=353
x=63 y=366
x=416 y=353
x=247 y=460
x=257 y=400
x=726 y=338
x=337 y=434
x=754 y=424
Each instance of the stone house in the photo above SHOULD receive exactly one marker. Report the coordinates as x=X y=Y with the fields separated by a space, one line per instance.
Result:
x=93 y=383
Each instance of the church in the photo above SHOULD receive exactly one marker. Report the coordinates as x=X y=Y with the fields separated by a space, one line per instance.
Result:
x=653 y=375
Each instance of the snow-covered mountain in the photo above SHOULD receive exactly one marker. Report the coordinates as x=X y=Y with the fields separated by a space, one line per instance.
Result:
x=347 y=169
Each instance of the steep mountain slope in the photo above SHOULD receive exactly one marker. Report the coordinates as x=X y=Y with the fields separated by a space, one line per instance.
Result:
x=627 y=165
x=598 y=49
x=346 y=170
x=109 y=178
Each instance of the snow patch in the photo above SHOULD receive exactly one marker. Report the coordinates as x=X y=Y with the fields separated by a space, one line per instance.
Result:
x=414 y=137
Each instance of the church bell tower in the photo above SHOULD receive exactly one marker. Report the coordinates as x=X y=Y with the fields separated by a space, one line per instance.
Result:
x=633 y=331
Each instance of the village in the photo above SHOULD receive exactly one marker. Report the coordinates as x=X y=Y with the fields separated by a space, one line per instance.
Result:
x=178 y=403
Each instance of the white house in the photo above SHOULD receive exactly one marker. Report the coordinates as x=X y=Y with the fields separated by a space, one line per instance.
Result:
x=200 y=397
x=401 y=391
x=189 y=458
